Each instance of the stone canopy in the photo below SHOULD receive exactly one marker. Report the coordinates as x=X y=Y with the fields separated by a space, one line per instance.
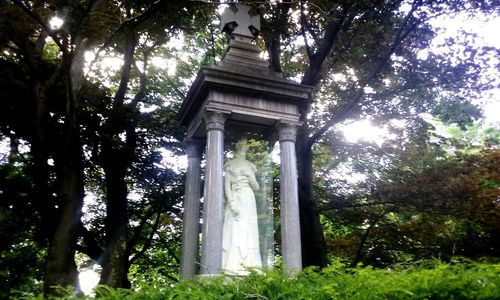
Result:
x=252 y=92
x=239 y=92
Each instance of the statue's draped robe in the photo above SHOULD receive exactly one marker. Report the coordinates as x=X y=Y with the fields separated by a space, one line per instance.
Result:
x=240 y=231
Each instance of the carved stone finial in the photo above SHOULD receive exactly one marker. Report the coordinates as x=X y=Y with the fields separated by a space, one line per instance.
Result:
x=238 y=21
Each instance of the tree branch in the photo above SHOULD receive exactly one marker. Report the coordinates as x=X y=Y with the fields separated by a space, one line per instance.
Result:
x=364 y=238
x=39 y=20
x=142 y=84
x=303 y=31
x=176 y=89
x=169 y=250
x=132 y=23
x=313 y=73
x=137 y=232
x=276 y=31
x=148 y=242
x=343 y=112
x=128 y=59
x=92 y=248
x=90 y=7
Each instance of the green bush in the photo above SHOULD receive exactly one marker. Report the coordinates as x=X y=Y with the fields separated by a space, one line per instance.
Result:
x=427 y=280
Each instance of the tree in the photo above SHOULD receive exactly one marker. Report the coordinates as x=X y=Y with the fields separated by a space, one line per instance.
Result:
x=76 y=122
x=364 y=58
x=423 y=204
x=54 y=85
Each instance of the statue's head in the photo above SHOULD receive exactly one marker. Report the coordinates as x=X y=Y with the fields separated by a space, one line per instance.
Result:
x=241 y=145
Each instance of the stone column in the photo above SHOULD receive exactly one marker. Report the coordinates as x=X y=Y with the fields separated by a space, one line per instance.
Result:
x=290 y=219
x=211 y=251
x=191 y=219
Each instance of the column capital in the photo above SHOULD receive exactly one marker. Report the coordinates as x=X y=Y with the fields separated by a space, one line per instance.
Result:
x=287 y=132
x=194 y=147
x=215 y=120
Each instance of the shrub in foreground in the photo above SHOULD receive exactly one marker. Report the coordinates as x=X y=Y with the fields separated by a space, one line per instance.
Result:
x=429 y=280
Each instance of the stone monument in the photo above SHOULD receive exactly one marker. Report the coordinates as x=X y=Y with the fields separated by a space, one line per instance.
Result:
x=240 y=234
x=238 y=98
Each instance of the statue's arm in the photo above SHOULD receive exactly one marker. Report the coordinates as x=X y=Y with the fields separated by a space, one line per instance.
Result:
x=227 y=187
x=229 y=194
x=253 y=180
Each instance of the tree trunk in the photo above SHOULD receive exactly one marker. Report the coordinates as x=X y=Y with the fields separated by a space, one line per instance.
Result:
x=115 y=264
x=61 y=268
x=313 y=242
x=60 y=223
x=116 y=159
x=40 y=171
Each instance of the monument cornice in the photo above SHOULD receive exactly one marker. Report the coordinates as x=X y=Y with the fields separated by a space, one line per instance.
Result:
x=238 y=78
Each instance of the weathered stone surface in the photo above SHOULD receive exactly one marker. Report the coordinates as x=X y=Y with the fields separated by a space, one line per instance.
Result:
x=191 y=218
x=241 y=92
x=290 y=219
x=213 y=193
x=240 y=239
x=248 y=88
x=237 y=20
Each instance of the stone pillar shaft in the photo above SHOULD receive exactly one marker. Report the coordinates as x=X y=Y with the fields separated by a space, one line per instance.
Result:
x=290 y=218
x=191 y=218
x=211 y=255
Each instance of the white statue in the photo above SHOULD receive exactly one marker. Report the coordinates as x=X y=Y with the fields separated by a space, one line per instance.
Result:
x=240 y=234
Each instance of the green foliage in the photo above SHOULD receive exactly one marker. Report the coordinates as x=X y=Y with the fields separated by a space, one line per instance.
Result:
x=470 y=139
x=423 y=204
x=398 y=203
x=22 y=247
x=460 y=279
x=126 y=119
